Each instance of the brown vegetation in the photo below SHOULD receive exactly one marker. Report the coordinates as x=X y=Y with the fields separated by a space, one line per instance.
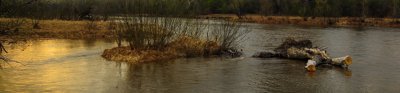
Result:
x=181 y=47
x=311 y=21
x=59 y=29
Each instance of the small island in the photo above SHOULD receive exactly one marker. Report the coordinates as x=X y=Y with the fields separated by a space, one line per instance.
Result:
x=169 y=40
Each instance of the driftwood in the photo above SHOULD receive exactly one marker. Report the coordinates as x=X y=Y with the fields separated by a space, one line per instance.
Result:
x=304 y=50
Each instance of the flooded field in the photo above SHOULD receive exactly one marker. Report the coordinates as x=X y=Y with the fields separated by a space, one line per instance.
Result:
x=57 y=65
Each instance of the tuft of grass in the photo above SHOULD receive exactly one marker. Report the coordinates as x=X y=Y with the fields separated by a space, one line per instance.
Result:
x=181 y=47
x=194 y=47
x=126 y=54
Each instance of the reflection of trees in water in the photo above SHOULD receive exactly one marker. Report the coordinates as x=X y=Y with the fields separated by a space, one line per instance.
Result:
x=12 y=45
x=186 y=76
x=149 y=77
x=86 y=43
x=16 y=44
x=89 y=43
x=2 y=49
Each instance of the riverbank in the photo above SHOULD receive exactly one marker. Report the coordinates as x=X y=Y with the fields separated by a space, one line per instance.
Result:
x=62 y=29
x=70 y=29
x=310 y=21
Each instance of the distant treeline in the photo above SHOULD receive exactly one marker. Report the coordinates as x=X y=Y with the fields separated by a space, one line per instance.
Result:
x=83 y=9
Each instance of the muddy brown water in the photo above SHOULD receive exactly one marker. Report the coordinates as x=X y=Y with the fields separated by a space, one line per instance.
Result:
x=75 y=66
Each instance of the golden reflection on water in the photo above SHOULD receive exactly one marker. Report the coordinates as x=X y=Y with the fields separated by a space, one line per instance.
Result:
x=48 y=66
x=47 y=76
x=41 y=50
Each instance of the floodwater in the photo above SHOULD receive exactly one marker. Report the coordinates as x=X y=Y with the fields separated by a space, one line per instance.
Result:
x=75 y=66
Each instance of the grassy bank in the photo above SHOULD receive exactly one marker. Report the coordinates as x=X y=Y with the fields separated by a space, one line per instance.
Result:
x=65 y=29
x=310 y=21
x=68 y=29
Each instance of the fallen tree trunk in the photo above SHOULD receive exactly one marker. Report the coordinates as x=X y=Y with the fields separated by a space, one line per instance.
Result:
x=304 y=50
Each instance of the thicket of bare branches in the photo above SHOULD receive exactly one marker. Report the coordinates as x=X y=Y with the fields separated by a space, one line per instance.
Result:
x=153 y=24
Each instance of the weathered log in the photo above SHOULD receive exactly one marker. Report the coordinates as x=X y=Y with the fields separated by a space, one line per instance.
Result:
x=303 y=50
x=341 y=61
x=345 y=61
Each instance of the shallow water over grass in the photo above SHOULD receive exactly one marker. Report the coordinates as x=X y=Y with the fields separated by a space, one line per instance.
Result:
x=76 y=66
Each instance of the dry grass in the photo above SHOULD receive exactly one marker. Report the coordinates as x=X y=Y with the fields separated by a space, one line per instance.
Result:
x=192 y=47
x=126 y=54
x=62 y=29
x=181 y=47
x=311 y=21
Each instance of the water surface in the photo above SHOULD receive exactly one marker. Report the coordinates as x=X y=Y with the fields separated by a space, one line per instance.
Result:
x=76 y=66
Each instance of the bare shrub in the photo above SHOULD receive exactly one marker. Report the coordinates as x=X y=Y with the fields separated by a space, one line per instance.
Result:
x=163 y=26
x=228 y=34
x=146 y=32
